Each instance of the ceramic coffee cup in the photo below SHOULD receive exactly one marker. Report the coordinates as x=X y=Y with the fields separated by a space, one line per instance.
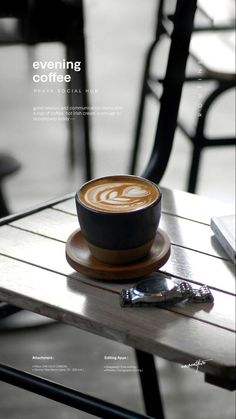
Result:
x=119 y=216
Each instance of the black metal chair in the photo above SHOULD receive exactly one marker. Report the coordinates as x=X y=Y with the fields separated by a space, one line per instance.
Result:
x=224 y=81
x=57 y=21
x=167 y=121
x=8 y=166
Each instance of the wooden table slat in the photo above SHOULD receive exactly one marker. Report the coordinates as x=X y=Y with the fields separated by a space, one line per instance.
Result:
x=184 y=263
x=49 y=223
x=182 y=232
x=34 y=274
x=51 y=255
x=193 y=207
x=177 y=203
x=67 y=206
x=201 y=269
x=158 y=331
x=192 y=235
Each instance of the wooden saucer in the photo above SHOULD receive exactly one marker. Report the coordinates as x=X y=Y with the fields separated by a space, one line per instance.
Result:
x=80 y=258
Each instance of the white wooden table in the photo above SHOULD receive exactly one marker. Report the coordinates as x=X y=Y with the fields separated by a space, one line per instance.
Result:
x=36 y=276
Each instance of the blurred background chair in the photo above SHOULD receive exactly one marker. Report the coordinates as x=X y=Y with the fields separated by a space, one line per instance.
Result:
x=37 y=21
x=213 y=49
x=8 y=166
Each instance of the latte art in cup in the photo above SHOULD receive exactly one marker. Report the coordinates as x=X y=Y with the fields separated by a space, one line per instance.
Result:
x=119 y=216
x=118 y=194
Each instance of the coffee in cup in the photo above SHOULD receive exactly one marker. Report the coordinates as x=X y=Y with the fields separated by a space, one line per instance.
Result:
x=119 y=216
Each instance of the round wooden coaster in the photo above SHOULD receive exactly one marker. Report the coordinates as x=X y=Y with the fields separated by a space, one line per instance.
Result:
x=80 y=258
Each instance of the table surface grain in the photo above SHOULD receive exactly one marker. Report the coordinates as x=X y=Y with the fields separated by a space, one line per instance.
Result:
x=36 y=276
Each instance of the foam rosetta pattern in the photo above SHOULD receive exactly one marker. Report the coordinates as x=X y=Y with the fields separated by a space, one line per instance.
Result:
x=117 y=196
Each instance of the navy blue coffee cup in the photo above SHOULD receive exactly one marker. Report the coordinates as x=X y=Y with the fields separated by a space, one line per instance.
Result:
x=119 y=236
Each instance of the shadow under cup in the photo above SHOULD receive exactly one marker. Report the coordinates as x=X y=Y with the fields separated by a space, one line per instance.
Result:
x=119 y=237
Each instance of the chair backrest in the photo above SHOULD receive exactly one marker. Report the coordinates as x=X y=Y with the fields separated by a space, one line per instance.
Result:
x=172 y=88
x=218 y=12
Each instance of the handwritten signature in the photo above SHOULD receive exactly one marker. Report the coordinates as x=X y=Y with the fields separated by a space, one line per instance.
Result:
x=197 y=363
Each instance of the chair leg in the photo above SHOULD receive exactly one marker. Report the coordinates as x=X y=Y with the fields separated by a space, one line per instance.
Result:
x=145 y=90
x=7 y=310
x=137 y=136
x=71 y=145
x=3 y=205
x=172 y=88
x=150 y=386
x=80 y=150
x=194 y=169
x=79 y=127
